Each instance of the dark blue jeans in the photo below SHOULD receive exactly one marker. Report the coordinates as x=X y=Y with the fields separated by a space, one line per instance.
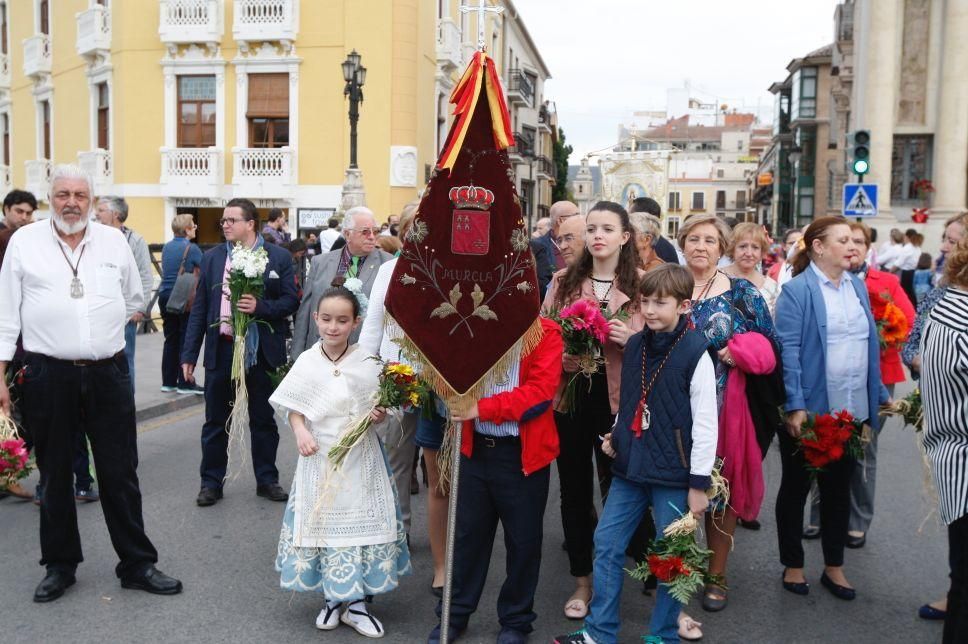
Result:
x=219 y=396
x=60 y=401
x=627 y=503
x=493 y=488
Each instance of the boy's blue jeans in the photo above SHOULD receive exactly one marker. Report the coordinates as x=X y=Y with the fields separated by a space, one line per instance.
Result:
x=626 y=504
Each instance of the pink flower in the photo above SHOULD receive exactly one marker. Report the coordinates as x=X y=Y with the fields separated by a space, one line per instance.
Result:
x=585 y=315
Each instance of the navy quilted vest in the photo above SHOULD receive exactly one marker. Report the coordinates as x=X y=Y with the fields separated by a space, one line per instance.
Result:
x=661 y=455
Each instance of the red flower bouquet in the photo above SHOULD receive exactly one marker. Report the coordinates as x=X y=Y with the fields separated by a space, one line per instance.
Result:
x=584 y=330
x=14 y=459
x=827 y=438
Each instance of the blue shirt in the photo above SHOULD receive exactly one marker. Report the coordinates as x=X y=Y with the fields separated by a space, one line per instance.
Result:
x=171 y=257
x=847 y=336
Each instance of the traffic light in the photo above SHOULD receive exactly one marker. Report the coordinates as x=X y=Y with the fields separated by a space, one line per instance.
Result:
x=859 y=152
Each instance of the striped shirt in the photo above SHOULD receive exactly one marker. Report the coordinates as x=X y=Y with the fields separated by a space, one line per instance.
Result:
x=506 y=382
x=944 y=392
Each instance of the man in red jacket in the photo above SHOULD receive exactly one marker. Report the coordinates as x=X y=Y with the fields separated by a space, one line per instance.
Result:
x=509 y=441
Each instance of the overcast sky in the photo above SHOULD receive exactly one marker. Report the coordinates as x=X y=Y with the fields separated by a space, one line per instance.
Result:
x=610 y=57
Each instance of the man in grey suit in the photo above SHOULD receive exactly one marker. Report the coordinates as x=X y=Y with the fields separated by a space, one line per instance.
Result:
x=359 y=258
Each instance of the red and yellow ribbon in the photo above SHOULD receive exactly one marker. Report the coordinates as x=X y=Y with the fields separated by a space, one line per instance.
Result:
x=481 y=71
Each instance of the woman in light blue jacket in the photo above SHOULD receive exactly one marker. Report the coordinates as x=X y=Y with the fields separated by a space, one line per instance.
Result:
x=831 y=358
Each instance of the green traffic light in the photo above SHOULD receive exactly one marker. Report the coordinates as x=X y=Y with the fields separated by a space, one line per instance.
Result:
x=861 y=166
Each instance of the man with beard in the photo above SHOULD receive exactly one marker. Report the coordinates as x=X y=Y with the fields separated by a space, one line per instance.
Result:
x=69 y=285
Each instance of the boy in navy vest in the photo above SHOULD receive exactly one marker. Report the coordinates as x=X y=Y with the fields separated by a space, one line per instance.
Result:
x=663 y=443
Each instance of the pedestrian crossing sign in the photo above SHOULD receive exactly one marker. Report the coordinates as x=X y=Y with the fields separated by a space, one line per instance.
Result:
x=860 y=200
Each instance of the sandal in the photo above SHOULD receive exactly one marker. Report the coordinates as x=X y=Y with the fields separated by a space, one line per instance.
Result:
x=689 y=628
x=714 y=599
x=576 y=607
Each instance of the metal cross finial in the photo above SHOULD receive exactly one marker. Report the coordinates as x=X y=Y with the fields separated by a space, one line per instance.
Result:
x=481 y=10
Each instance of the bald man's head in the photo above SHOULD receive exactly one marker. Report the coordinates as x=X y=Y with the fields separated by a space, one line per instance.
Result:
x=559 y=211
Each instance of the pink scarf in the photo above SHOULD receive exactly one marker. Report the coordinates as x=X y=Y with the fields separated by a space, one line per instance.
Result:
x=742 y=459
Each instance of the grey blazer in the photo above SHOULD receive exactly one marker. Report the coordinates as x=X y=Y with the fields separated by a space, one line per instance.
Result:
x=322 y=270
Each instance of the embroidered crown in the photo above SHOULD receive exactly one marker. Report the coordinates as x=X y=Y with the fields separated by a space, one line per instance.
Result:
x=471 y=197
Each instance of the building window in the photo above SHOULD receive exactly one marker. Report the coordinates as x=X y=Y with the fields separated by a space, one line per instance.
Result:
x=674 y=201
x=672 y=227
x=5 y=124
x=3 y=29
x=103 y=116
x=781 y=112
x=740 y=200
x=910 y=162
x=196 y=111
x=43 y=10
x=720 y=198
x=45 y=127
x=268 y=112
x=804 y=97
x=527 y=198
x=804 y=205
x=699 y=201
x=720 y=173
x=441 y=121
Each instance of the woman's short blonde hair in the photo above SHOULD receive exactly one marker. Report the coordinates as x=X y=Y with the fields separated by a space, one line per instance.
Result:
x=181 y=223
x=749 y=230
x=646 y=224
x=725 y=234
x=956 y=265
x=406 y=219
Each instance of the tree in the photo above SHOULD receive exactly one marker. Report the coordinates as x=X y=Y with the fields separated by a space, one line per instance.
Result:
x=561 y=153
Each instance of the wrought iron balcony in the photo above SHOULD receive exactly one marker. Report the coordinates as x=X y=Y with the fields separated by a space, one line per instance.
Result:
x=520 y=88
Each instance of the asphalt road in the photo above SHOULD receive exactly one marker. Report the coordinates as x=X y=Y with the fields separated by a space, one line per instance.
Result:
x=224 y=555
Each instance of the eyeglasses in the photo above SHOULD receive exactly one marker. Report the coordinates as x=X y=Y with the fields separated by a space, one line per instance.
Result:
x=229 y=221
x=366 y=232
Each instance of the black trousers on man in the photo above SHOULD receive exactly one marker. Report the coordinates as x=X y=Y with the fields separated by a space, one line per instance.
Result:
x=219 y=396
x=61 y=399
x=493 y=488
x=834 y=487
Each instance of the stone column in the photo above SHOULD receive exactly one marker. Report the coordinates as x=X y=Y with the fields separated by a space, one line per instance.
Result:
x=876 y=58
x=951 y=133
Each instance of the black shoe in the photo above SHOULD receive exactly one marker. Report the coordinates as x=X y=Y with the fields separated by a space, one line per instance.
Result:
x=749 y=525
x=649 y=585
x=208 y=496
x=811 y=532
x=153 y=581
x=795 y=587
x=856 y=542
x=53 y=586
x=272 y=491
x=452 y=634
x=511 y=636
x=838 y=591
x=437 y=591
x=86 y=496
x=414 y=483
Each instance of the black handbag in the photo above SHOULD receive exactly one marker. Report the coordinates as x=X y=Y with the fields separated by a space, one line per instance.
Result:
x=183 y=292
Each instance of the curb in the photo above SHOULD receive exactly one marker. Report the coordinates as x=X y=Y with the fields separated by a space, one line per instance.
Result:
x=175 y=404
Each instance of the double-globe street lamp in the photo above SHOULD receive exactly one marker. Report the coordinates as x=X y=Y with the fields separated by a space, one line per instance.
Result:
x=355 y=76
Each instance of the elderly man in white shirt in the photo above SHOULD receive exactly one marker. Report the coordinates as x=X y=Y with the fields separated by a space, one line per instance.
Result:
x=69 y=285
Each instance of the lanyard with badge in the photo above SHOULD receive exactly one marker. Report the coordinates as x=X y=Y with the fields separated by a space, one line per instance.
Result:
x=77 y=288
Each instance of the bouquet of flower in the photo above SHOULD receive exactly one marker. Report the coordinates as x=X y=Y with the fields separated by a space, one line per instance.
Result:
x=827 y=438
x=14 y=460
x=892 y=325
x=677 y=561
x=909 y=408
x=584 y=330
x=245 y=278
x=399 y=387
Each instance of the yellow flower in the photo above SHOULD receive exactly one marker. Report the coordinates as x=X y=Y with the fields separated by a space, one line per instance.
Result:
x=414 y=398
x=402 y=369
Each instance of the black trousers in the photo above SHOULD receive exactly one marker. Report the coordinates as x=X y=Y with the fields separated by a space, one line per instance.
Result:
x=581 y=456
x=956 y=621
x=174 y=329
x=834 y=487
x=493 y=488
x=61 y=400
x=219 y=396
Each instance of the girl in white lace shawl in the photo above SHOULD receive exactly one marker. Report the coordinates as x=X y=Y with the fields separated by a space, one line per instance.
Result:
x=341 y=533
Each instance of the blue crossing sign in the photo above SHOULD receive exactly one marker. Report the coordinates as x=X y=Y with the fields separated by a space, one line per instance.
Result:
x=860 y=200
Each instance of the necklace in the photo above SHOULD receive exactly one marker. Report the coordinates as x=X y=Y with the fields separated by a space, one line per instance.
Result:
x=647 y=387
x=336 y=371
x=77 y=288
x=708 y=285
x=602 y=289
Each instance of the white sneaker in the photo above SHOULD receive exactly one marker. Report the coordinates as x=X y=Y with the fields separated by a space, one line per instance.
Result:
x=328 y=618
x=359 y=618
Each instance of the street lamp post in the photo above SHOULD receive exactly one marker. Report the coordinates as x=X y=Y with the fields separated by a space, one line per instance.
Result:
x=354 y=74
